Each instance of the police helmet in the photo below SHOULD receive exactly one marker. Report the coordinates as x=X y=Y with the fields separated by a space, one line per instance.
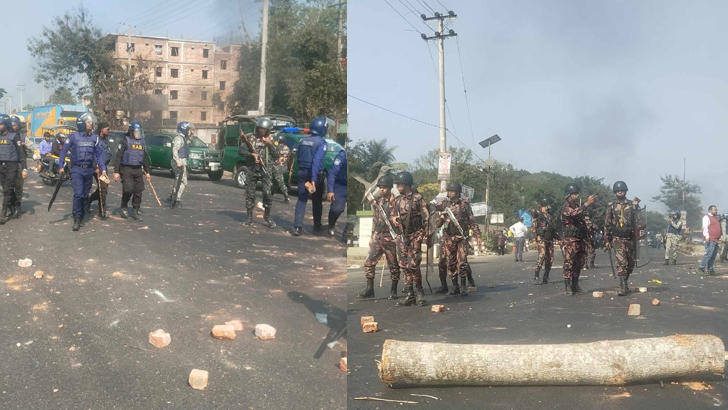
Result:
x=318 y=126
x=404 y=178
x=619 y=186
x=61 y=136
x=676 y=213
x=135 y=129
x=83 y=118
x=5 y=120
x=15 y=119
x=386 y=181
x=184 y=128
x=572 y=188
x=454 y=186
x=265 y=123
x=544 y=202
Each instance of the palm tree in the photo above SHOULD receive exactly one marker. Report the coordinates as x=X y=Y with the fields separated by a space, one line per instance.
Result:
x=376 y=154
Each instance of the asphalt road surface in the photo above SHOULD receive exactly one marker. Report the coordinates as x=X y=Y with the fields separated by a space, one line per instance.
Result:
x=514 y=311
x=78 y=338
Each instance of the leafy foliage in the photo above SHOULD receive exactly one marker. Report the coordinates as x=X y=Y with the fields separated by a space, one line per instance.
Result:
x=671 y=194
x=62 y=95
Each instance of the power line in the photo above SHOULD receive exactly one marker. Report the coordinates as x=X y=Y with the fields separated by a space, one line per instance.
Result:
x=183 y=10
x=465 y=91
x=144 y=13
x=438 y=1
x=183 y=16
x=165 y=14
x=416 y=12
x=427 y=6
x=403 y=18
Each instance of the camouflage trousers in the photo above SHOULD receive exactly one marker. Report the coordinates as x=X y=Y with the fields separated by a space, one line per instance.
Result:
x=382 y=244
x=19 y=186
x=590 y=253
x=671 y=246
x=545 y=255
x=722 y=247
x=251 y=178
x=573 y=256
x=409 y=255
x=279 y=174
x=624 y=253
x=455 y=251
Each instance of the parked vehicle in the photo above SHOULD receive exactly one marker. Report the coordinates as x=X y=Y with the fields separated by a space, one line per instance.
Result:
x=202 y=159
x=44 y=117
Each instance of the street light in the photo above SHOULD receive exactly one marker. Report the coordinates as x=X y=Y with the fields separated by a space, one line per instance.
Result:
x=486 y=143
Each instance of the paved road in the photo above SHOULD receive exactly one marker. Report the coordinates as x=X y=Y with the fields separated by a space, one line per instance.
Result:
x=82 y=330
x=516 y=312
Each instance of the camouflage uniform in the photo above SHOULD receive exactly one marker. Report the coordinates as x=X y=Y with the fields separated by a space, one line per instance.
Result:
x=572 y=220
x=455 y=247
x=254 y=173
x=409 y=252
x=382 y=243
x=619 y=231
x=722 y=242
x=280 y=170
x=542 y=227
x=674 y=234
x=590 y=253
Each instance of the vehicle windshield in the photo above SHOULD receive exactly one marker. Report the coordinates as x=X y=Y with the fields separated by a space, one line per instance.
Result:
x=197 y=143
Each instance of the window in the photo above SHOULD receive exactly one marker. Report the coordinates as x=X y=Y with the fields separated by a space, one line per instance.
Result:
x=157 y=115
x=158 y=71
x=157 y=91
x=175 y=51
x=130 y=47
x=175 y=73
x=203 y=116
x=205 y=53
x=173 y=95
x=203 y=95
x=223 y=64
x=158 y=48
x=173 y=116
x=204 y=74
x=222 y=85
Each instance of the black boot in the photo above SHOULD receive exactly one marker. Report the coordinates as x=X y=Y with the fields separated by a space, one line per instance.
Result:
x=332 y=232
x=536 y=279
x=18 y=210
x=592 y=266
x=87 y=205
x=455 y=288
x=76 y=224
x=410 y=299
x=249 y=221
x=546 y=275
x=674 y=261
x=667 y=261
x=268 y=219
x=4 y=216
x=420 y=295
x=393 y=291
x=575 y=286
x=297 y=231
x=369 y=291
x=463 y=287
x=471 y=281
x=443 y=285
x=623 y=289
x=136 y=215
x=567 y=287
x=124 y=212
x=286 y=199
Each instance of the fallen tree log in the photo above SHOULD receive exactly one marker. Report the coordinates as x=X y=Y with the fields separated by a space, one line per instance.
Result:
x=612 y=362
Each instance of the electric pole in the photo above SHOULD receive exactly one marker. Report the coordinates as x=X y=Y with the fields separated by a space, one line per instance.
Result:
x=43 y=101
x=128 y=51
x=21 y=88
x=263 y=50
x=440 y=37
x=341 y=28
x=10 y=103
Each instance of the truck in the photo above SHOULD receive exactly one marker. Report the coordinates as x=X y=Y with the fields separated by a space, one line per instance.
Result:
x=56 y=114
x=202 y=158
x=285 y=132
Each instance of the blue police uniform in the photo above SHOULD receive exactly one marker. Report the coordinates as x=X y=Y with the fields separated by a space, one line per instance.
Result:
x=311 y=161
x=336 y=183
x=85 y=150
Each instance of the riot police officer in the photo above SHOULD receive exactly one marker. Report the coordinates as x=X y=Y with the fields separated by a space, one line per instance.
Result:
x=22 y=172
x=132 y=163
x=102 y=185
x=311 y=160
x=12 y=158
x=180 y=152
x=84 y=148
x=336 y=184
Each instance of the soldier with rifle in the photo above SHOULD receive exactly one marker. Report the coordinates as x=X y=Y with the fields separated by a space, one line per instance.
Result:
x=457 y=218
x=282 y=167
x=619 y=231
x=590 y=254
x=674 y=234
x=383 y=241
x=257 y=153
x=546 y=233
x=574 y=233
x=180 y=152
x=410 y=216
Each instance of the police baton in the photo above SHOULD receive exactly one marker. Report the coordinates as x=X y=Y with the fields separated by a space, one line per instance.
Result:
x=154 y=191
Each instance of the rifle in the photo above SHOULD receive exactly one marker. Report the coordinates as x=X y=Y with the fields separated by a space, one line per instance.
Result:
x=380 y=208
x=252 y=151
x=558 y=235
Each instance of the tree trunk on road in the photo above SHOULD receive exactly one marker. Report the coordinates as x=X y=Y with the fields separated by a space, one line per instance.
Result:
x=612 y=362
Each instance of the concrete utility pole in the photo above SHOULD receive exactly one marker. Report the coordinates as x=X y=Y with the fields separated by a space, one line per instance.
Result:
x=341 y=28
x=263 y=52
x=43 y=101
x=128 y=51
x=10 y=104
x=440 y=37
x=21 y=88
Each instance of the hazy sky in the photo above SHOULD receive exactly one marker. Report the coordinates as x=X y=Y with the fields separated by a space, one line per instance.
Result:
x=190 y=19
x=614 y=89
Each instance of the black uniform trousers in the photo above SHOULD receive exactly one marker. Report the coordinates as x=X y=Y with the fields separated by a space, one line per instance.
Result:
x=8 y=177
x=132 y=184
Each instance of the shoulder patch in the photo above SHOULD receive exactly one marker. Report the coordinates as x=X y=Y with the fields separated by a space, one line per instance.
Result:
x=337 y=161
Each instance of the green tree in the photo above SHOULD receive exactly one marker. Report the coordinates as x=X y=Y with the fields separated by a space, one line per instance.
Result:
x=29 y=107
x=365 y=159
x=2 y=92
x=655 y=221
x=671 y=194
x=62 y=95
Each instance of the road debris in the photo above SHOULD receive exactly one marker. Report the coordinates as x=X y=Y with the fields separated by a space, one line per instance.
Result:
x=198 y=379
x=159 y=338
x=634 y=310
x=265 y=332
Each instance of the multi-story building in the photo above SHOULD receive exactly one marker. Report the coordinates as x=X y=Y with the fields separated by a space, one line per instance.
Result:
x=189 y=74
